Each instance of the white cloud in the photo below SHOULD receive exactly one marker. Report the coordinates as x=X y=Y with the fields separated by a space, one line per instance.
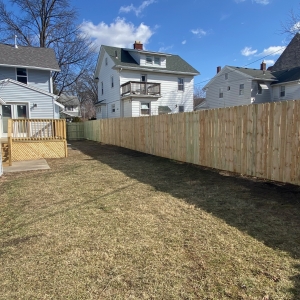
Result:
x=183 y=42
x=239 y=1
x=247 y=51
x=199 y=32
x=136 y=10
x=165 y=48
x=264 y=2
x=273 y=50
x=269 y=62
x=119 y=33
x=296 y=28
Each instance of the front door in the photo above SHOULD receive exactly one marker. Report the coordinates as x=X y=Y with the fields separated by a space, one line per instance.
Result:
x=12 y=111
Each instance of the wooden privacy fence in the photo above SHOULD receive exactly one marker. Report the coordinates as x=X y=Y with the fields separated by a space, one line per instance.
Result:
x=36 y=138
x=259 y=140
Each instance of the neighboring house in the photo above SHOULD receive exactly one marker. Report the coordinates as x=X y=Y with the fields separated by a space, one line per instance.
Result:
x=71 y=107
x=233 y=86
x=26 y=88
x=136 y=82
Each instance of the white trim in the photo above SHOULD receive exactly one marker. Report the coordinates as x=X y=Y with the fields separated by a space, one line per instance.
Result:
x=263 y=86
x=59 y=104
x=158 y=70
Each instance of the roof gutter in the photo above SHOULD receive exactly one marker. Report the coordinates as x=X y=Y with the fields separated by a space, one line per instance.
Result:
x=287 y=82
x=155 y=70
x=31 y=67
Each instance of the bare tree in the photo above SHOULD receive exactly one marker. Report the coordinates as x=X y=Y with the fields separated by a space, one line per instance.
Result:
x=292 y=25
x=50 y=24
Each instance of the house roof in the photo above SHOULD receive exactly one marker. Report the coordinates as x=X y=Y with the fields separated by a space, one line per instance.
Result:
x=68 y=100
x=255 y=73
x=290 y=57
x=287 y=75
x=174 y=63
x=31 y=57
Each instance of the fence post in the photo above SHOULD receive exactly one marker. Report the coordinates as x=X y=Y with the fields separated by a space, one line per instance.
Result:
x=9 y=138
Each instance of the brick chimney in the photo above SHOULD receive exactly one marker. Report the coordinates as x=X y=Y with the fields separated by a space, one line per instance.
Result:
x=263 y=66
x=218 y=69
x=138 y=45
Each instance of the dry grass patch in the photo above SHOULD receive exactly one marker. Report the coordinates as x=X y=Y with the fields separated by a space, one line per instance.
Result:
x=110 y=223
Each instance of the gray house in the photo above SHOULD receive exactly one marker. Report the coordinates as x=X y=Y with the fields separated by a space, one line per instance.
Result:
x=233 y=86
x=26 y=88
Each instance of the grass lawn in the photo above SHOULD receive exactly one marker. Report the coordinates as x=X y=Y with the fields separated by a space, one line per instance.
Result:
x=110 y=223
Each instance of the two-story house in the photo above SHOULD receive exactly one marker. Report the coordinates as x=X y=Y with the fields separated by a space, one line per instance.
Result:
x=233 y=86
x=136 y=82
x=26 y=88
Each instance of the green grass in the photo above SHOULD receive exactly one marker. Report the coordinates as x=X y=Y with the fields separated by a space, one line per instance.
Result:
x=110 y=223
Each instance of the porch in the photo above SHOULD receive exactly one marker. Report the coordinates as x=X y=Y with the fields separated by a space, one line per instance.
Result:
x=131 y=88
x=29 y=139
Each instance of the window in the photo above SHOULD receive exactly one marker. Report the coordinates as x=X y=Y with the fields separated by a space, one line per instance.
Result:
x=99 y=109
x=157 y=60
x=106 y=61
x=70 y=108
x=112 y=81
x=22 y=75
x=241 y=91
x=228 y=88
x=226 y=76
x=102 y=90
x=181 y=108
x=259 y=89
x=282 y=91
x=145 y=108
x=220 y=92
x=143 y=78
x=180 y=84
x=149 y=60
x=113 y=108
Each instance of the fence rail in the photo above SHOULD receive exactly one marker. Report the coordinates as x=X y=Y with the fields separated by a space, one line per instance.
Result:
x=261 y=140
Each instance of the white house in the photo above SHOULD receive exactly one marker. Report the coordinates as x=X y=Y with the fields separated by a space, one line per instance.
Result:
x=71 y=107
x=233 y=86
x=136 y=82
x=26 y=88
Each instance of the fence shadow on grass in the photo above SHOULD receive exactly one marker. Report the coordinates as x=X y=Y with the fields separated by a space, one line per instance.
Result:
x=268 y=212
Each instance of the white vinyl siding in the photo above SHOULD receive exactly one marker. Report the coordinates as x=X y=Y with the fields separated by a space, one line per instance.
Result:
x=231 y=96
x=292 y=92
x=169 y=90
x=110 y=95
x=127 y=109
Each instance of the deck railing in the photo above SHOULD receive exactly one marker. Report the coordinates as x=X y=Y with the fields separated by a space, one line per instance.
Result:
x=140 y=88
x=36 y=129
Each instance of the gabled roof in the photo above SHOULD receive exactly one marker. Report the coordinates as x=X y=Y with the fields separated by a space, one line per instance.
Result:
x=174 y=63
x=255 y=73
x=289 y=75
x=68 y=100
x=28 y=57
x=290 y=58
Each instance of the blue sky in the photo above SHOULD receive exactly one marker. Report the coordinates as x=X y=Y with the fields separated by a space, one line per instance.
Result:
x=206 y=33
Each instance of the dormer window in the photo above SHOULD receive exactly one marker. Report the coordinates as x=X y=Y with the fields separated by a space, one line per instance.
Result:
x=149 y=60
x=157 y=60
x=22 y=75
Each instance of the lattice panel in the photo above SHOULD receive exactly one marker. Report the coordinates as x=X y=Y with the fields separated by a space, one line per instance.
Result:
x=37 y=150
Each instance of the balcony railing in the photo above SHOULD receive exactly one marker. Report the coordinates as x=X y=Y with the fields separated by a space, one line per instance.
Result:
x=140 y=88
